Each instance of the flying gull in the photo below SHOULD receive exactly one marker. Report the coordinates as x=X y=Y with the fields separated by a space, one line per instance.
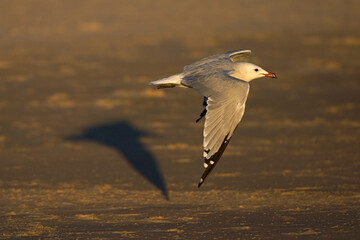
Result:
x=223 y=80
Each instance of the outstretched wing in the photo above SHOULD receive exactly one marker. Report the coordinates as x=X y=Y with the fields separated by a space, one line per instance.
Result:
x=240 y=56
x=224 y=113
x=214 y=60
x=226 y=97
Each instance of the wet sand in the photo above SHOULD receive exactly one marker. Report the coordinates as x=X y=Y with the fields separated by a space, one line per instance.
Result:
x=89 y=151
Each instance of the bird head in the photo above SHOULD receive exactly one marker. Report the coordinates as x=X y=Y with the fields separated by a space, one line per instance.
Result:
x=248 y=71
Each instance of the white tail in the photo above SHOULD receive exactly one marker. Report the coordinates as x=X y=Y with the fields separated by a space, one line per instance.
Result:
x=172 y=81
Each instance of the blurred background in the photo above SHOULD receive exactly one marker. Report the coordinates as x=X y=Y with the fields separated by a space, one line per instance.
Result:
x=81 y=129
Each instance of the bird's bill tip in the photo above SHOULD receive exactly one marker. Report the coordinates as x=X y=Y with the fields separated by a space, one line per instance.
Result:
x=270 y=74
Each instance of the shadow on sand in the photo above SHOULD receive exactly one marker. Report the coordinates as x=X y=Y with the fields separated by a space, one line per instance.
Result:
x=123 y=137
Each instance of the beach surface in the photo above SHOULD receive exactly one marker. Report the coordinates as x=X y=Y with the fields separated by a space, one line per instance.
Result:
x=89 y=151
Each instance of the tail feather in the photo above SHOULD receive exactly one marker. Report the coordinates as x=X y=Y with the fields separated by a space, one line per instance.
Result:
x=170 y=82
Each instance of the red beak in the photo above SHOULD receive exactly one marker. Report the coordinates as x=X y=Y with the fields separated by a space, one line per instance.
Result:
x=270 y=74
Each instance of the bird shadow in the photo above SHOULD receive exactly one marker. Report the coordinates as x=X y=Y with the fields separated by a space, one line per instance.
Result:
x=123 y=137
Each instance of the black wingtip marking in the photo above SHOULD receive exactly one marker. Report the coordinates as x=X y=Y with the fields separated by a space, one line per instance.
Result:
x=213 y=159
x=200 y=182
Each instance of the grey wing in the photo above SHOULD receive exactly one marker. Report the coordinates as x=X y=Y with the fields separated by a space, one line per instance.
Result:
x=234 y=56
x=240 y=56
x=224 y=113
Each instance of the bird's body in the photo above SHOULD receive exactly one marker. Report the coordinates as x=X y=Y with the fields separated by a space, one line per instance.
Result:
x=223 y=80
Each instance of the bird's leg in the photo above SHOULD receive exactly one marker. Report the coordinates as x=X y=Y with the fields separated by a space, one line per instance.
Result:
x=203 y=113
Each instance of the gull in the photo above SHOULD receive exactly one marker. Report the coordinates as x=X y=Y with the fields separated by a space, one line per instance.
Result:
x=223 y=80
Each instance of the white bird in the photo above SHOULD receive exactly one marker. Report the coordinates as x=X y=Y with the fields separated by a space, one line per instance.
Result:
x=223 y=80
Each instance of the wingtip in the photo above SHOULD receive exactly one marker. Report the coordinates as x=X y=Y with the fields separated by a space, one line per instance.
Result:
x=200 y=182
x=240 y=51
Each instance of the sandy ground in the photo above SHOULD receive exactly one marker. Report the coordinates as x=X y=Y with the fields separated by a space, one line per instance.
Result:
x=89 y=151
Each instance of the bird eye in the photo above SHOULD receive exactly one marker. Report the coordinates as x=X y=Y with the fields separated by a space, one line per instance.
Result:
x=256 y=69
